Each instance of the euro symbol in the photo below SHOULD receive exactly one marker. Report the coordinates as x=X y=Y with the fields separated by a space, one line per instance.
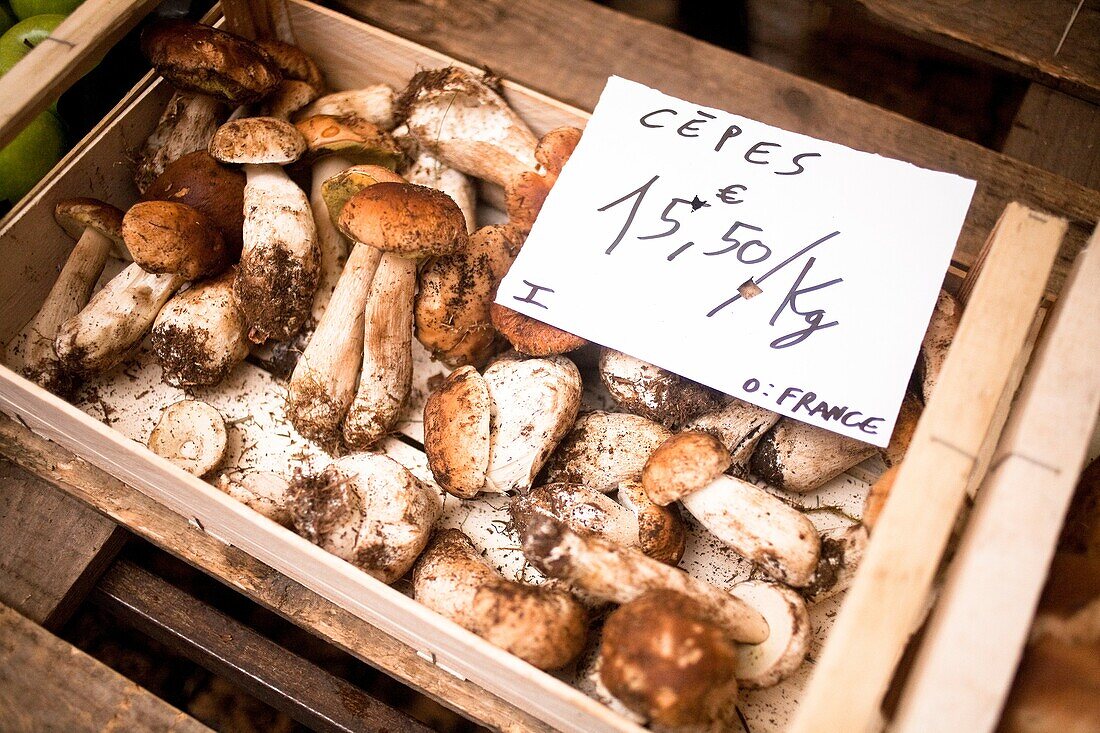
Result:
x=728 y=194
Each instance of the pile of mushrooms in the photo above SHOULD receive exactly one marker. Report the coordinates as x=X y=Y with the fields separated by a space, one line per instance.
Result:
x=230 y=252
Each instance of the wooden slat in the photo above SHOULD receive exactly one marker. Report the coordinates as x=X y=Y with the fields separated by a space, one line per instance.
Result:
x=885 y=601
x=254 y=579
x=238 y=654
x=1057 y=133
x=568 y=48
x=47 y=684
x=1023 y=36
x=52 y=547
x=71 y=51
x=975 y=636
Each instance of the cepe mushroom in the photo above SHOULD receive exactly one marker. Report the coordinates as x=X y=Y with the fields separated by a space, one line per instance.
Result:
x=739 y=426
x=191 y=434
x=542 y=626
x=169 y=237
x=199 y=181
x=937 y=342
x=781 y=540
x=800 y=457
x=369 y=510
x=773 y=660
x=620 y=574
x=652 y=392
x=603 y=449
x=405 y=222
x=663 y=657
x=373 y=104
x=97 y=227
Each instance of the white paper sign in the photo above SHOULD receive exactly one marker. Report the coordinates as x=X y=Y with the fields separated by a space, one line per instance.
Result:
x=668 y=209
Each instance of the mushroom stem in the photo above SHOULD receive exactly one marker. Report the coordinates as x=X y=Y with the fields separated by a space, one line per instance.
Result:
x=620 y=575
x=188 y=123
x=386 y=377
x=102 y=334
x=70 y=293
x=323 y=384
x=278 y=270
x=796 y=456
x=333 y=245
x=759 y=527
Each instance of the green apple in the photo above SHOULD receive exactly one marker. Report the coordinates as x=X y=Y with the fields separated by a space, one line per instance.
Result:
x=29 y=8
x=30 y=156
x=9 y=57
x=7 y=18
x=26 y=34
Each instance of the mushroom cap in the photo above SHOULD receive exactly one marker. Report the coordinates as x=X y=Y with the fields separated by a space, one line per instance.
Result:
x=290 y=96
x=294 y=63
x=456 y=432
x=555 y=148
x=663 y=659
x=349 y=137
x=532 y=337
x=777 y=657
x=405 y=219
x=339 y=189
x=76 y=215
x=191 y=434
x=683 y=464
x=662 y=533
x=257 y=140
x=198 y=58
x=198 y=180
x=165 y=236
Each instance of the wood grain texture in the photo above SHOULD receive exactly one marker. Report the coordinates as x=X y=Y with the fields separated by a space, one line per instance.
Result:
x=71 y=51
x=235 y=652
x=254 y=579
x=1057 y=133
x=568 y=48
x=1021 y=36
x=978 y=629
x=47 y=684
x=885 y=602
x=52 y=547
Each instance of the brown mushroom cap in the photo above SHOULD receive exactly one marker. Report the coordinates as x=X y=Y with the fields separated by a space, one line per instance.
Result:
x=198 y=180
x=257 y=140
x=339 y=189
x=198 y=58
x=456 y=432
x=531 y=337
x=294 y=63
x=351 y=138
x=405 y=219
x=164 y=236
x=76 y=215
x=683 y=464
x=663 y=659
x=555 y=147
x=290 y=96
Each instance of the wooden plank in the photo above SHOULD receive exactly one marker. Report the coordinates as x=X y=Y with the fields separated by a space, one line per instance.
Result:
x=67 y=54
x=47 y=684
x=1057 y=133
x=238 y=654
x=1023 y=36
x=568 y=48
x=975 y=636
x=886 y=599
x=52 y=547
x=259 y=582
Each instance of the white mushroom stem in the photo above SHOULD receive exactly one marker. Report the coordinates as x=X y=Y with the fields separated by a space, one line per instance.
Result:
x=386 y=377
x=759 y=527
x=580 y=508
x=114 y=321
x=841 y=553
x=427 y=170
x=37 y=358
x=323 y=384
x=278 y=273
x=333 y=245
x=188 y=123
x=620 y=575
x=738 y=425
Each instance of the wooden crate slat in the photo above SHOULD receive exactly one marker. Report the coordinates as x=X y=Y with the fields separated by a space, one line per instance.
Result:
x=71 y=51
x=885 y=601
x=48 y=684
x=975 y=636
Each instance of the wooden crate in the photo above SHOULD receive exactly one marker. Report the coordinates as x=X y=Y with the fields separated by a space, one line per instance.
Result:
x=949 y=454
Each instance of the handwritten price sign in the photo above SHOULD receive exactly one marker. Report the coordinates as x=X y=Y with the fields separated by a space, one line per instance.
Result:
x=791 y=272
